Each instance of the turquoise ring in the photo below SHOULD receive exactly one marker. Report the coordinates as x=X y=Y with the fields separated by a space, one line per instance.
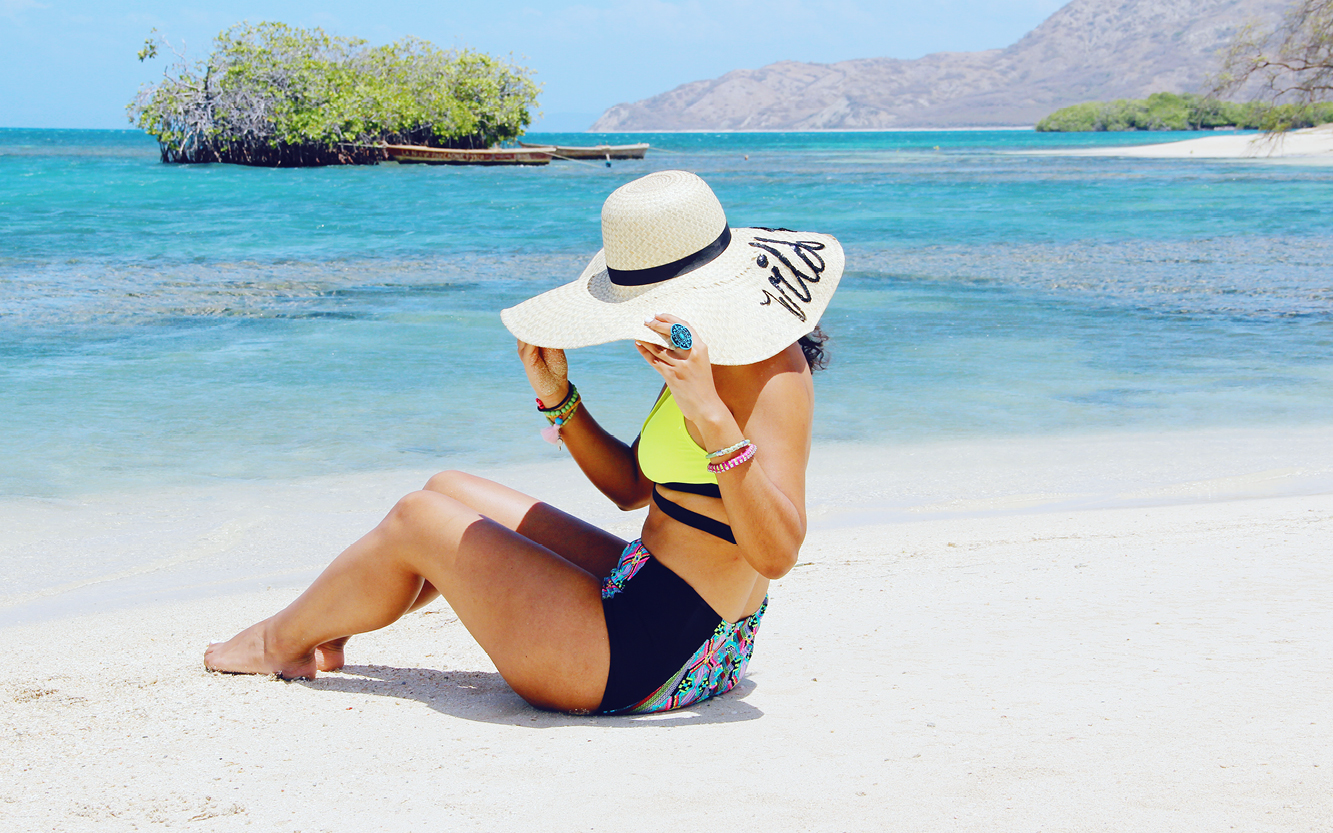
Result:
x=681 y=338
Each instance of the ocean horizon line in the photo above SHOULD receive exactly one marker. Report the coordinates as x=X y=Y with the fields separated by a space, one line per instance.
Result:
x=973 y=129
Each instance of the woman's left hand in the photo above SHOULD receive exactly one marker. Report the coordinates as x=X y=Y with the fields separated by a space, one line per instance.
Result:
x=688 y=373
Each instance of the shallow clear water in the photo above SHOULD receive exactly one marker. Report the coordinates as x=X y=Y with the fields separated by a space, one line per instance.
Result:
x=171 y=324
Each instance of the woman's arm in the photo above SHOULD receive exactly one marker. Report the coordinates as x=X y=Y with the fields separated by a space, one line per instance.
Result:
x=612 y=466
x=770 y=403
x=765 y=498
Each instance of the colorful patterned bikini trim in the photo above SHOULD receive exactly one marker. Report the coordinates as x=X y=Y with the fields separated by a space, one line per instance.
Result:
x=716 y=667
x=631 y=560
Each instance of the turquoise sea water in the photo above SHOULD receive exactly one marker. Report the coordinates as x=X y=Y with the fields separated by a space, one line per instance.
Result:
x=181 y=324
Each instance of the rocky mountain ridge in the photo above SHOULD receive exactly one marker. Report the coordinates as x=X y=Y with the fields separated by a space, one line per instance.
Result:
x=1087 y=50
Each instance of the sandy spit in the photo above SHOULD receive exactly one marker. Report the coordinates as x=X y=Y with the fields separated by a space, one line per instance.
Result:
x=1162 y=668
x=1314 y=144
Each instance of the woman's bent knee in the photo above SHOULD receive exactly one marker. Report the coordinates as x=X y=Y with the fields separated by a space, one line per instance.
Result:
x=444 y=483
x=425 y=525
x=458 y=485
x=425 y=512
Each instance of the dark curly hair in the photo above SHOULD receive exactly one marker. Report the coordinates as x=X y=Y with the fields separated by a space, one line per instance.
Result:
x=813 y=348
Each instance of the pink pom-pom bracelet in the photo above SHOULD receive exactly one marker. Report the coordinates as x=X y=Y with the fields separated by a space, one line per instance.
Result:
x=743 y=457
x=559 y=415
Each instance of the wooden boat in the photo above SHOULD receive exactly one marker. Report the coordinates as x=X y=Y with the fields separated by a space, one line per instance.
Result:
x=418 y=154
x=635 y=151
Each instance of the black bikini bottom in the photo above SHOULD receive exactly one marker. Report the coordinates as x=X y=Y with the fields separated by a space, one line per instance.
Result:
x=669 y=648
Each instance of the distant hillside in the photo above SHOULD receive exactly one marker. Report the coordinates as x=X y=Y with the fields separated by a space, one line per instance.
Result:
x=1088 y=50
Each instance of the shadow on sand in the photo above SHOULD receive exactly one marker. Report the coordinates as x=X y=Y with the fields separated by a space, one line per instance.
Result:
x=484 y=696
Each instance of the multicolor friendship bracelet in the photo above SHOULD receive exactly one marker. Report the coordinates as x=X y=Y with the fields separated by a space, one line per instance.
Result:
x=564 y=409
x=728 y=450
x=744 y=456
x=559 y=415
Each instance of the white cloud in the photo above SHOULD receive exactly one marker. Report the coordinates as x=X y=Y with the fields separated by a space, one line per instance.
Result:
x=13 y=8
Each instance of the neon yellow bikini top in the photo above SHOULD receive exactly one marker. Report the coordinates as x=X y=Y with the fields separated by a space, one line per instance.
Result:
x=669 y=455
x=667 y=452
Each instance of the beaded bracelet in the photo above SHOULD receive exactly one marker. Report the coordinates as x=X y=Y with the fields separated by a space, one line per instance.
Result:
x=560 y=414
x=744 y=456
x=728 y=450
x=569 y=403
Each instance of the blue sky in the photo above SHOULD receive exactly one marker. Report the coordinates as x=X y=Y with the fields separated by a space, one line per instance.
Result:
x=70 y=63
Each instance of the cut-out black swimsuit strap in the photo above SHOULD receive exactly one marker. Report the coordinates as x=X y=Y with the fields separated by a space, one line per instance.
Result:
x=703 y=523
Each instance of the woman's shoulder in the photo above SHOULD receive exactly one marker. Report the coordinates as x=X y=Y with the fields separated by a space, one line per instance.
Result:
x=779 y=382
x=788 y=366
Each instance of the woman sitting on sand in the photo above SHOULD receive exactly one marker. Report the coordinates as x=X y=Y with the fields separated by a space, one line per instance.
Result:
x=574 y=618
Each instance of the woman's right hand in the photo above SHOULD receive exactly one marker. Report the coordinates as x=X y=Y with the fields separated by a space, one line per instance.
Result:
x=547 y=370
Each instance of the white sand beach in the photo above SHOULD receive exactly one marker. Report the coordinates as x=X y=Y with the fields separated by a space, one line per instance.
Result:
x=962 y=650
x=1313 y=144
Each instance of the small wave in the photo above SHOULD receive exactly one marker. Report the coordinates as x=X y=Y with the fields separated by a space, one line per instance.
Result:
x=1265 y=277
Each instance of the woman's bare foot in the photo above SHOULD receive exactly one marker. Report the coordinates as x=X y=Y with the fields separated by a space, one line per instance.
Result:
x=329 y=656
x=252 y=651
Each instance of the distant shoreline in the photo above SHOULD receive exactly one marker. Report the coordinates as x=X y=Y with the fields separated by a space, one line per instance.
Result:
x=1010 y=129
x=1031 y=127
x=1312 y=144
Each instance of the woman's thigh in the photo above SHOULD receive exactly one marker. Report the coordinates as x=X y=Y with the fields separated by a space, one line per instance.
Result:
x=538 y=616
x=575 y=540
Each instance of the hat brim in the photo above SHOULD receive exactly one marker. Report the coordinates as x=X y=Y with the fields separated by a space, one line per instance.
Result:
x=761 y=294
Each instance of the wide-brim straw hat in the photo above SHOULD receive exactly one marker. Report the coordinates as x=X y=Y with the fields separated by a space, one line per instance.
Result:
x=747 y=293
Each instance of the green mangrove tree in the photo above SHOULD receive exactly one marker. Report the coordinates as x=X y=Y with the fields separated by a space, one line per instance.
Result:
x=271 y=94
x=1169 y=111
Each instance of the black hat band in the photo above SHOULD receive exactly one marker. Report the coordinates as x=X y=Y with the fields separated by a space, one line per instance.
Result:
x=674 y=269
